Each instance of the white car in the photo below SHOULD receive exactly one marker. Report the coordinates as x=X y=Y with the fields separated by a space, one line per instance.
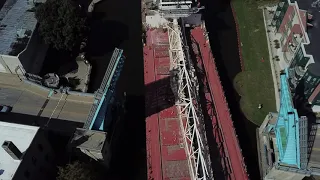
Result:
x=5 y=109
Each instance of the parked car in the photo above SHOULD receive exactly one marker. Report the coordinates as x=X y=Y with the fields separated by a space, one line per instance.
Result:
x=5 y=109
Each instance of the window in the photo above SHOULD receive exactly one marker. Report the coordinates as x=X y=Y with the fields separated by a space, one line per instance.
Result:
x=40 y=147
x=34 y=161
x=27 y=174
x=309 y=78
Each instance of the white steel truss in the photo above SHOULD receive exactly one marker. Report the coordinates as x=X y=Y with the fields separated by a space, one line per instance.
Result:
x=191 y=120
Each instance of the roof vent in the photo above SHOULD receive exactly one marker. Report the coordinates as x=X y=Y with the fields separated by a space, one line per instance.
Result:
x=12 y=150
x=21 y=33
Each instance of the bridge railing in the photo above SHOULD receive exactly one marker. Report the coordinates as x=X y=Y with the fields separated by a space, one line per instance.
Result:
x=111 y=76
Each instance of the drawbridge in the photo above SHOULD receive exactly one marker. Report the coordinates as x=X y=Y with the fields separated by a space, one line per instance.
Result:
x=97 y=134
x=104 y=96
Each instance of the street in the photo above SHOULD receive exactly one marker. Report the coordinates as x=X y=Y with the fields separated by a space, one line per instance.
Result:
x=29 y=99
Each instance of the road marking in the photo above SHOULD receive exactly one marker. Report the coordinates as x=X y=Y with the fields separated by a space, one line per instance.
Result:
x=315 y=149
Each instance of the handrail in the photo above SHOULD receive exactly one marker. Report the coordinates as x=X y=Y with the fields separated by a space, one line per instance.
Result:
x=107 y=87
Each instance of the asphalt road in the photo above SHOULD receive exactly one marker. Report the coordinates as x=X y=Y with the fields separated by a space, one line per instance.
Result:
x=30 y=100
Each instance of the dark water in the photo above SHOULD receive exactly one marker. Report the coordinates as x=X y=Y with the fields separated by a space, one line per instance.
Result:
x=118 y=24
x=223 y=39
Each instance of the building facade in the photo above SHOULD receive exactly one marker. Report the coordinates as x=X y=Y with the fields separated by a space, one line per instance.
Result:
x=296 y=21
x=25 y=153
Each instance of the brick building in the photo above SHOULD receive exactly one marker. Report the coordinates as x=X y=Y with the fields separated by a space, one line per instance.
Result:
x=297 y=23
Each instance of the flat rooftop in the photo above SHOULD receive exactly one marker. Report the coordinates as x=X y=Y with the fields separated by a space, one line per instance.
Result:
x=21 y=136
x=313 y=32
x=17 y=21
x=87 y=139
x=34 y=100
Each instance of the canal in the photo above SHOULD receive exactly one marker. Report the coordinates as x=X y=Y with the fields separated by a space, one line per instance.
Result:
x=118 y=24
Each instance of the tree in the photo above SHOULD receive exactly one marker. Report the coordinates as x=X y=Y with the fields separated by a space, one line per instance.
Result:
x=77 y=171
x=61 y=23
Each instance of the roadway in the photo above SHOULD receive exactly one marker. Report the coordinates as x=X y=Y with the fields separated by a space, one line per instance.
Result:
x=29 y=99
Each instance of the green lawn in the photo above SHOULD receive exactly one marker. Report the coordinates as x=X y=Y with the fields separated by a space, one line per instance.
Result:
x=255 y=84
x=283 y=137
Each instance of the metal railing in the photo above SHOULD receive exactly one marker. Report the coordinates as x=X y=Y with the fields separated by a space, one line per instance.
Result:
x=193 y=136
x=107 y=86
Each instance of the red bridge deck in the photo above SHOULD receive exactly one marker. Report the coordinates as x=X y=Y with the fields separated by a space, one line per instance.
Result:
x=221 y=118
x=166 y=156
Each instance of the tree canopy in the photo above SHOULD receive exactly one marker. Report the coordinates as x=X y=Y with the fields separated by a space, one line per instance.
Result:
x=61 y=23
x=77 y=171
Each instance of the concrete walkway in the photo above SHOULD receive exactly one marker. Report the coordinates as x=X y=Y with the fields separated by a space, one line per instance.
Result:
x=275 y=67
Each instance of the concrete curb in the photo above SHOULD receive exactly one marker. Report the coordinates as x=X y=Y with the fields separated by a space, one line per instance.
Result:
x=259 y=153
x=238 y=37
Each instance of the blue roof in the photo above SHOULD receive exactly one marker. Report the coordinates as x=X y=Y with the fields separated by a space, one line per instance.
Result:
x=287 y=127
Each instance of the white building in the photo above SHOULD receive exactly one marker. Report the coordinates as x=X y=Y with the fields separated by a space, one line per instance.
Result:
x=21 y=48
x=25 y=153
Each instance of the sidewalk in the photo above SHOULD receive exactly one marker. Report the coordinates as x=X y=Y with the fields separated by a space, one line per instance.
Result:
x=275 y=66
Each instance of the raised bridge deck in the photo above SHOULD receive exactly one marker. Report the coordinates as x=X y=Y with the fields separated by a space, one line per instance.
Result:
x=166 y=156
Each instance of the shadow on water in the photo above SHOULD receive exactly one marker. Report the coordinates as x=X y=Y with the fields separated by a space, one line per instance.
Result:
x=223 y=40
x=105 y=35
x=118 y=24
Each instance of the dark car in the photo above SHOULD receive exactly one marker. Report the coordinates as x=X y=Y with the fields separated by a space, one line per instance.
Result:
x=5 y=109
